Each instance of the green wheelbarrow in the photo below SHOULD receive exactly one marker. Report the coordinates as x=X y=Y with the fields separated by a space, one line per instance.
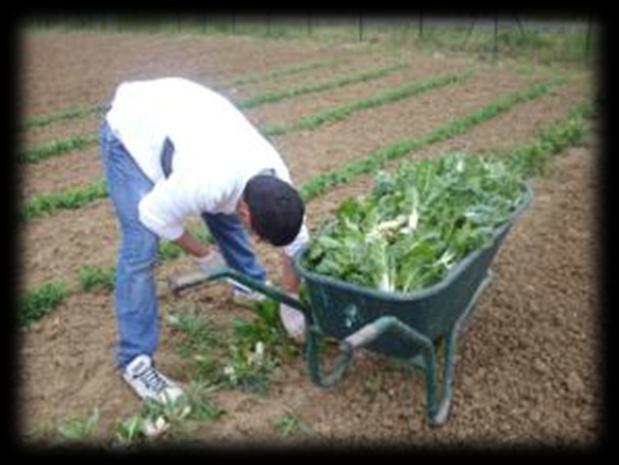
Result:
x=405 y=326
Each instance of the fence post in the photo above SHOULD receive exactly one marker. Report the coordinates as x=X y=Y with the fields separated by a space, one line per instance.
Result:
x=520 y=26
x=588 y=41
x=268 y=25
x=496 y=30
x=309 y=25
x=360 y=28
x=233 y=24
x=421 y=26
x=468 y=33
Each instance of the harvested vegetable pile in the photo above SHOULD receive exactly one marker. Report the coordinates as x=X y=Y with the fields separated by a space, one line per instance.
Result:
x=417 y=223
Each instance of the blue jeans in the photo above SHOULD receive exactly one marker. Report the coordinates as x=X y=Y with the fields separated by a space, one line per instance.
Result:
x=137 y=312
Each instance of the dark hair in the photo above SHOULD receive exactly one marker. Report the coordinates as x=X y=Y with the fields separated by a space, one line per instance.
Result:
x=276 y=209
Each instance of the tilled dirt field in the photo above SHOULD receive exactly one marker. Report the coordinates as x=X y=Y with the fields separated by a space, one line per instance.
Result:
x=527 y=370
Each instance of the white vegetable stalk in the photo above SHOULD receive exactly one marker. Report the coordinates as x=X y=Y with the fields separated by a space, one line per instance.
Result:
x=381 y=229
x=385 y=285
x=256 y=357
x=230 y=373
x=155 y=428
x=413 y=219
x=447 y=259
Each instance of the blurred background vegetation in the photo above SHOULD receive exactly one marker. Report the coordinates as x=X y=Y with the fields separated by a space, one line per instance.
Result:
x=541 y=39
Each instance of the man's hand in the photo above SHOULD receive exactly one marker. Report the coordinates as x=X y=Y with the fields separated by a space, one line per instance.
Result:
x=210 y=262
x=293 y=320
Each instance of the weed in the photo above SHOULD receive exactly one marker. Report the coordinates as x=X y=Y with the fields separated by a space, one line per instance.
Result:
x=202 y=407
x=130 y=430
x=289 y=424
x=200 y=335
x=40 y=301
x=92 y=277
x=256 y=348
x=80 y=429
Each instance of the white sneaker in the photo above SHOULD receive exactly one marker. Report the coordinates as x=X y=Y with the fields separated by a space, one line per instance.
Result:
x=294 y=322
x=148 y=383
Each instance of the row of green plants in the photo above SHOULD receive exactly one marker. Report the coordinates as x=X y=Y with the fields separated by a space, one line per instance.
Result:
x=77 y=112
x=77 y=197
x=287 y=71
x=341 y=112
x=375 y=160
x=62 y=146
x=67 y=199
x=61 y=115
x=57 y=147
x=276 y=96
x=532 y=156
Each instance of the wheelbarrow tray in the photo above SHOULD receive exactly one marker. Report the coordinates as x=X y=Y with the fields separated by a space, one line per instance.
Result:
x=341 y=308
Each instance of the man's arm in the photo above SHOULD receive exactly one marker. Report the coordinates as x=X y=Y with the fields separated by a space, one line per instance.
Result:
x=290 y=278
x=191 y=245
x=166 y=205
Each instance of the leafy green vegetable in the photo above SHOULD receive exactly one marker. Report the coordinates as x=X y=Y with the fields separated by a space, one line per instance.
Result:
x=417 y=223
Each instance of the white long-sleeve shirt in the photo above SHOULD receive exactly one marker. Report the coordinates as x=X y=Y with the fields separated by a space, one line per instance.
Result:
x=216 y=151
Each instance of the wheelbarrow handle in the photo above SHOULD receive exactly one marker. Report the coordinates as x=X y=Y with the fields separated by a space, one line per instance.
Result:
x=184 y=282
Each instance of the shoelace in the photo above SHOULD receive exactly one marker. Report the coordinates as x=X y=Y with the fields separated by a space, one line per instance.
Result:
x=153 y=380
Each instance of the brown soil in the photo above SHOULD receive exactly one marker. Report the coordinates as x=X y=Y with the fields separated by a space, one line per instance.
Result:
x=527 y=368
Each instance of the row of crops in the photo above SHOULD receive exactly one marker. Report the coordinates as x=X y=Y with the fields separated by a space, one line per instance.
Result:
x=530 y=157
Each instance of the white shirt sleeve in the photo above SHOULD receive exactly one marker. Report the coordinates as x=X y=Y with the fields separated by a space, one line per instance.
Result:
x=159 y=212
x=171 y=200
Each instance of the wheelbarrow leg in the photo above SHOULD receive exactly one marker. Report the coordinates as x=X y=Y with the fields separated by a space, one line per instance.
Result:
x=438 y=411
x=370 y=333
x=316 y=373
